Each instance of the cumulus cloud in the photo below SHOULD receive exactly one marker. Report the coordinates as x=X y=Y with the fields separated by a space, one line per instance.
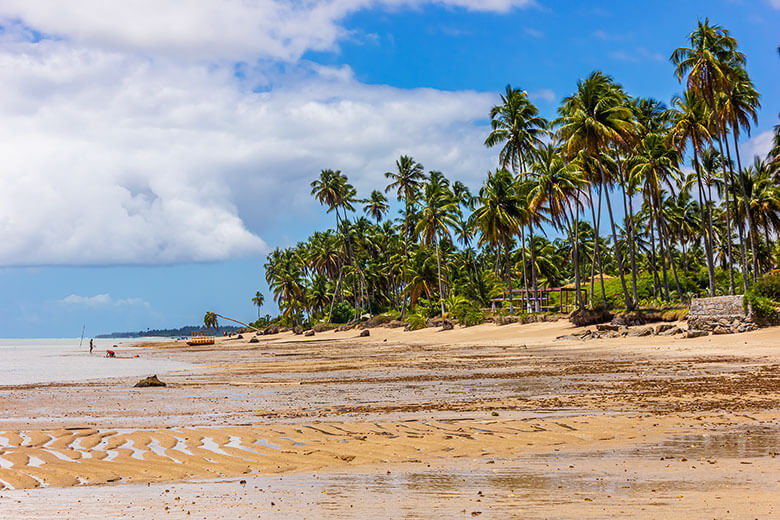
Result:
x=102 y=300
x=209 y=29
x=758 y=146
x=138 y=136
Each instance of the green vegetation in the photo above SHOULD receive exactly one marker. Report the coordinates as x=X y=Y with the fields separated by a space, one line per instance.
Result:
x=697 y=221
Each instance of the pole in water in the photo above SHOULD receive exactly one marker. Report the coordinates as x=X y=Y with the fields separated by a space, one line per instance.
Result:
x=82 y=334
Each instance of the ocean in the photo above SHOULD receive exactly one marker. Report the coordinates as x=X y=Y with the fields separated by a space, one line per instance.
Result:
x=31 y=361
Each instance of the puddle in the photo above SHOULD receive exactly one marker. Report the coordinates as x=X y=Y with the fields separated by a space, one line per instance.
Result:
x=34 y=461
x=747 y=443
x=235 y=442
x=137 y=454
x=157 y=449
x=263 y=442
x=208 y=444
x=5 y=464
x=181 y=445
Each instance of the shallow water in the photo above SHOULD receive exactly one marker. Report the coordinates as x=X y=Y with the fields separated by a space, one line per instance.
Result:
x=31 y=361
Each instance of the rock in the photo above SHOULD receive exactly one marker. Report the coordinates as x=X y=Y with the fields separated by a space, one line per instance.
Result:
x=320 y=327
x=345 y=327
x=640 y=332
x=447 y=325
x=604 y=327
x=696 y=333
x=240 y=336
x=663 y=327
x=364 y=333
x=309 y=333
x=394 y=324
x=254 y=340
x=297 y=330
x=722 y=330
x=671 y=332
x=569 y=337
x=587 y=317
x=434 y=322
x=271 y=329
x=149 y=381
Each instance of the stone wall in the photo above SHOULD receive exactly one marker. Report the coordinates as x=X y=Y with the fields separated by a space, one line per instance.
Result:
x=719 y=315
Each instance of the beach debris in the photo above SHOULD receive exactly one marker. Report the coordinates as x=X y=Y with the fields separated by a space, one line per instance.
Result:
x=149 y=381
x=364 y=333
x=309 y=333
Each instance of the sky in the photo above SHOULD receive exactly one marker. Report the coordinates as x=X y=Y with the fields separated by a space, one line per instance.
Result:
x=152 y=153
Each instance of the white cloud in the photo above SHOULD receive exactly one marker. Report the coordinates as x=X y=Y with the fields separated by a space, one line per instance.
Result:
x=544 y=94
x=209 y=29
x=759 y=145
x=135 y=135
x=102 y=300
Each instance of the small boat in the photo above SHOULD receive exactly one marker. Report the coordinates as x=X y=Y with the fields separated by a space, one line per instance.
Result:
x=202 y=337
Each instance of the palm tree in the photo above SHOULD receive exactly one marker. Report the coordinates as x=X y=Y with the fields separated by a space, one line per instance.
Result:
x=557 y=185
x=439 y=212
x=406 y=181
x=376 y=206
x=258 y=300
x=210 y=320
x=497 y=217
x=516 y=124
x=690 y=126
x=595 y=117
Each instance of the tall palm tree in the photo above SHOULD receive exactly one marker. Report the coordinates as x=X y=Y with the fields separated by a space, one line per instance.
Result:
x=690 y=127
x=516 y=124
x=596 y=117
x=497 y=217
x=439 y=212
x=258 y=300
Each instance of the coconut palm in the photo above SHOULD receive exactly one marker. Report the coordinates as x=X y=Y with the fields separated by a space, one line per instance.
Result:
x=439 y=212
x=516 y=124
x=596 y=117
x=258 y=300
x=376 y=206
x=497 y=217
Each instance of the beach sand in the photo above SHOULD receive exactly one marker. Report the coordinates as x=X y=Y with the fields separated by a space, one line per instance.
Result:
x=489 y=421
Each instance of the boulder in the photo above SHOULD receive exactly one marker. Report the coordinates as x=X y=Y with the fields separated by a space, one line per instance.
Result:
x=434 y=322
x=447 y=325
x=320 y=327
x=604 y=327
x=663 y=327
x=149 y=381
x=569 y=337
x=240 y=336
x=394 y=324
x=364 y=333
x=585 y=317
x=309 y=333
x=254 y=340
x=671 y=332
x=297 y=330
x=720 y=329
x=640 y=332
x=271 y=329
x=696 y=333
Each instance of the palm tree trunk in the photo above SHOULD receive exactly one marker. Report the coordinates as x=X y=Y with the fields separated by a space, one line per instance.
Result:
x=525 y=277
x=743 y=259
x=575 y=260
x=747 y=204
x=728 y=217
x=438 y=266
x=618 y=255
x=509 y=276
x=629 y=211
x=708 y=233
x=654 y=259
x=335 y=292
x=533 y=269
x=577 y=283
x=596 y=248
x=657 y=220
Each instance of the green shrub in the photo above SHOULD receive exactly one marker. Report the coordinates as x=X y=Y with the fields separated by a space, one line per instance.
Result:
x=467 y=313
x=416 y=321
x=342 y=312
x=768 y=286
x=764 y=311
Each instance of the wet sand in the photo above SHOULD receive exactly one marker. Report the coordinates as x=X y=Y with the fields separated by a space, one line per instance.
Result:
x=497 y=422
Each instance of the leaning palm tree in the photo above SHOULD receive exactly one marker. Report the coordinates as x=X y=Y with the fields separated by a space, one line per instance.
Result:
x=211 y=321
x=439 y=212
x=596 y=117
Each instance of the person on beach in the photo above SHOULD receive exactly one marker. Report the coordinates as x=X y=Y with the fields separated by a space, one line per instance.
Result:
x=91 y=346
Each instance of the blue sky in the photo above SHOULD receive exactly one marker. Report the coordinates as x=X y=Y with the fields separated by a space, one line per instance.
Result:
x=153 y=155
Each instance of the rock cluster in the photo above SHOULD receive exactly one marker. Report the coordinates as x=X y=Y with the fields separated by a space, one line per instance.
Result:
x=718 y=315
x=149 y=381
x=608 y=330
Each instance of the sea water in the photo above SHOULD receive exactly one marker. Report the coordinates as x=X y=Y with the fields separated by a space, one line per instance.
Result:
x=31 y=361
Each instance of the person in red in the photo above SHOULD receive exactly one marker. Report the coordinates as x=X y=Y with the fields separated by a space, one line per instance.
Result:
x=110 y=353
